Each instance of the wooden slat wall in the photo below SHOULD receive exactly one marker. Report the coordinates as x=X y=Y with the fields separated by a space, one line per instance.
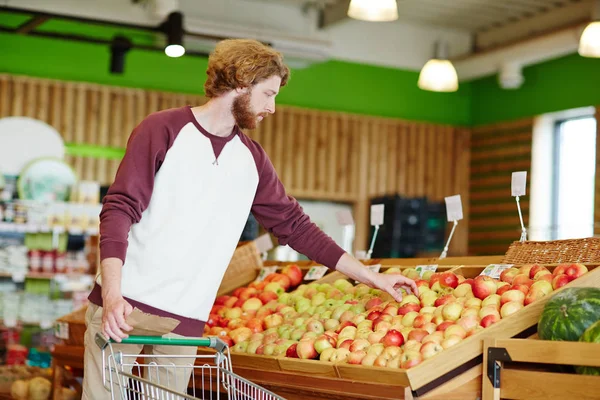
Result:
x=496 y=152
x=597 y=206
x=318 y=155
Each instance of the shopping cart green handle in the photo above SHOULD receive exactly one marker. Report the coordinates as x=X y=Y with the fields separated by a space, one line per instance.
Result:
x=212 y=342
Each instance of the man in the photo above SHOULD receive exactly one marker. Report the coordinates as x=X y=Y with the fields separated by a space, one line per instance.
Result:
x=172 y=218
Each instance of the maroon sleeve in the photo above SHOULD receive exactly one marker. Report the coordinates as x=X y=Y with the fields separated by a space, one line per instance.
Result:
x=281 y=215
x=130 y=193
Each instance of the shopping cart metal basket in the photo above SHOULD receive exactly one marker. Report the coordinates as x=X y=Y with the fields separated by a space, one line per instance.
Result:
x=212 y=376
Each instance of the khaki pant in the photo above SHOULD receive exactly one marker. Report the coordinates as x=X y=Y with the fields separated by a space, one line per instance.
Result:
x=175 y=378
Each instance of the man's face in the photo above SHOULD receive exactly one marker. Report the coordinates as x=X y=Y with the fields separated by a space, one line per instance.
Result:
x=253 y=105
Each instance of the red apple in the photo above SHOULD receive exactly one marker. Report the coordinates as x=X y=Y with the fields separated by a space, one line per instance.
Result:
x=359 y=344
x=560 y=269
x=255 y=325
x=487 y=311
x=376 y=337
x=522 y=288
x=345 y=344
x=393 y=338
x=430 y=349
x=483 y=286
x=391 y=310
x=547 y=277
x=213 y=320
x=410 y=359
x=374 y=302
x=508 y=275
x=373 y=315
x=421 y=282
x=408 y=307
x=421 y=320
x=489 y=320
x=445 y=299
x=542 y=273
x=356 y=357
x=468 y=323
x=522 y=279
x=502 y=289
x=560 y=281
x=306 y=349
x=220 y=300
x=344 y=325
x=575 y=271
x=434 y=278
x=455 y=330
x=526 y=269
x=435 y=337
x=417 y=334
x=444 y=325
x=272 y=321
x=266 y=297
x=535 y=269
x=448 y=280
x=229 y=303
x=294 y=273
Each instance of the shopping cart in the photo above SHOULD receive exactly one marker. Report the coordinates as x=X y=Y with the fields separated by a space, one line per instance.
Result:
x=211 y=374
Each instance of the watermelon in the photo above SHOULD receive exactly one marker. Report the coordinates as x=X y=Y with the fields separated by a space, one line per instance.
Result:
x=591 y=335
x=569 y=313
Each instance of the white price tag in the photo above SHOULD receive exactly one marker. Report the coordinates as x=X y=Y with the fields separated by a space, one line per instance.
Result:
x=344 y=217
x=421 y=269
x=264 y=272
x=316 y=272
x=374 y=268
x=264 y=243
x=61 y=330
x=18 y=276
x=519 y=183
x=454 y=208
x=377 y=214
x=45 y=324
x=494 y=270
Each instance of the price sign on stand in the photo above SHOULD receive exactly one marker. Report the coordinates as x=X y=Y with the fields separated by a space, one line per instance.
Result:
x=263 y=243
x=61 y=330
x=494 y=270
x=454 y=214
x=316 y=272
x=264 y=272
x=344 y=217
x=376 y=221
x=518 y=188
x=421 y=269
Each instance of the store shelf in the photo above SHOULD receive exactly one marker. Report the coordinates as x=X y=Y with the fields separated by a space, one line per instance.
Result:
x=46 y=275
x=10 y=227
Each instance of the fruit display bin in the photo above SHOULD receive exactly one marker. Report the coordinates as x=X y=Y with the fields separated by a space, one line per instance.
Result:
x=454 y=373
x=525 y=369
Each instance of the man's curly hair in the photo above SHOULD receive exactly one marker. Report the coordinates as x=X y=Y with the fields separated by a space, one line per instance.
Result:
x=242 y=63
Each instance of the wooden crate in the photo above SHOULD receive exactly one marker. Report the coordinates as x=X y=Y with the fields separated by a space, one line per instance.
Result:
x=513 y=366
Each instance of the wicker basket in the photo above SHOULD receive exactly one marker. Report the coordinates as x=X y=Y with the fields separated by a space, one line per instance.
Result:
x=72 y=327
x=243 y=267
x=554 y=252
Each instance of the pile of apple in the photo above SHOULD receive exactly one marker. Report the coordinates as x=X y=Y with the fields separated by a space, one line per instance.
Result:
x=241 y=308
x=360 y=325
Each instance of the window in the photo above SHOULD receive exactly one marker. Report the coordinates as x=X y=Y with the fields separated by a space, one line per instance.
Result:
x=573 y=178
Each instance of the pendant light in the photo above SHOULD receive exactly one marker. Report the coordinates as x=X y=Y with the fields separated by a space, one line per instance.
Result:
x=373 y=10
x=438 y=74
x=589 y=43
x=173 y=28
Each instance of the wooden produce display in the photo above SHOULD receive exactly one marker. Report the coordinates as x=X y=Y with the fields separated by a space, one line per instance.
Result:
x=454 y=373
x=519 y=369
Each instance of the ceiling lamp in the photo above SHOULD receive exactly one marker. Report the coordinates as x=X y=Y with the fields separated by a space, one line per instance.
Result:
x=589 y=43
x=173 y=28
x=119 y=47
x=373 y=10
x=438 y=74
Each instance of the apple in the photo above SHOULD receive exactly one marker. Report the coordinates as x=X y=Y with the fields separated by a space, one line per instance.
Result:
x=255 y=325
x=391 y=310
x=492 y=299
x=345 y=325
x=346 y=316
x=392 y=270
x=455 y=330
x=318 y=299
x=445 y=299
x=418 y=335
x=372 y=303
x=535 y=269
x=394 y=363
x=444 y=325
x=430 y=349
x=575 y=271
x=522 y=279
x=483 y=286
x=451 y=311
x=450 y=341
x=541 y=273
x=233 y=313
x=409 y=318
x=331 y=324
x=410 y=359
x=376 y=349
x=560 y=269
x=294 y=273
x=510 y=308
x=430 y=327
x=240 y=347
x=253 y=345
x=381 y=325
x=236 y=323
x=489 y=320
x=392 y=351
x=252 y=304
x=469 y=322
x=272 y=320
x=526 y=269
x=522 y=288
x=448 y=280
x=512 y=295
x=348 y=332
x=560 y=281
x=428 y=298
x=533 y=295
x=489 y=310
x=546 y=277
x=411 y=298
x=342 y=285
x=355 y=357
x=407 y=308
x=502 y=289
x=326 y=354
x=266 y=297
x=427 y=310
x=373 y=315
x=344 y=344
x=542 y=286
x=427 y=275
x=435 y=337
x=306 y=349
x=359 y=344
x=466 y=312
x=369 y=360
x=297 y=333
x=508 y=275
x=377 y=337
x=412 y=345
x=340 y=355
x=381 y=361
x=303 y=304
x=463 y=290
x=274 y=287
x=421 y=320
x=240 y=334
x=473 y=302
x=411 y=273
x=422 y=284
x=435 y=277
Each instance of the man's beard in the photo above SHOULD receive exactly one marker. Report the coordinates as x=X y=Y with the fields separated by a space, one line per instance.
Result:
x=242 y=112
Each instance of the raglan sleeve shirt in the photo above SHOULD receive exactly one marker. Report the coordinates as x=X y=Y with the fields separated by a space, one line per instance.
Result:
x=281 y=215
x=130 y=193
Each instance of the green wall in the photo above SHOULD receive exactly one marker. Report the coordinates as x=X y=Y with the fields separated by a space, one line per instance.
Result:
x=560 y=84
x=333 y=85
